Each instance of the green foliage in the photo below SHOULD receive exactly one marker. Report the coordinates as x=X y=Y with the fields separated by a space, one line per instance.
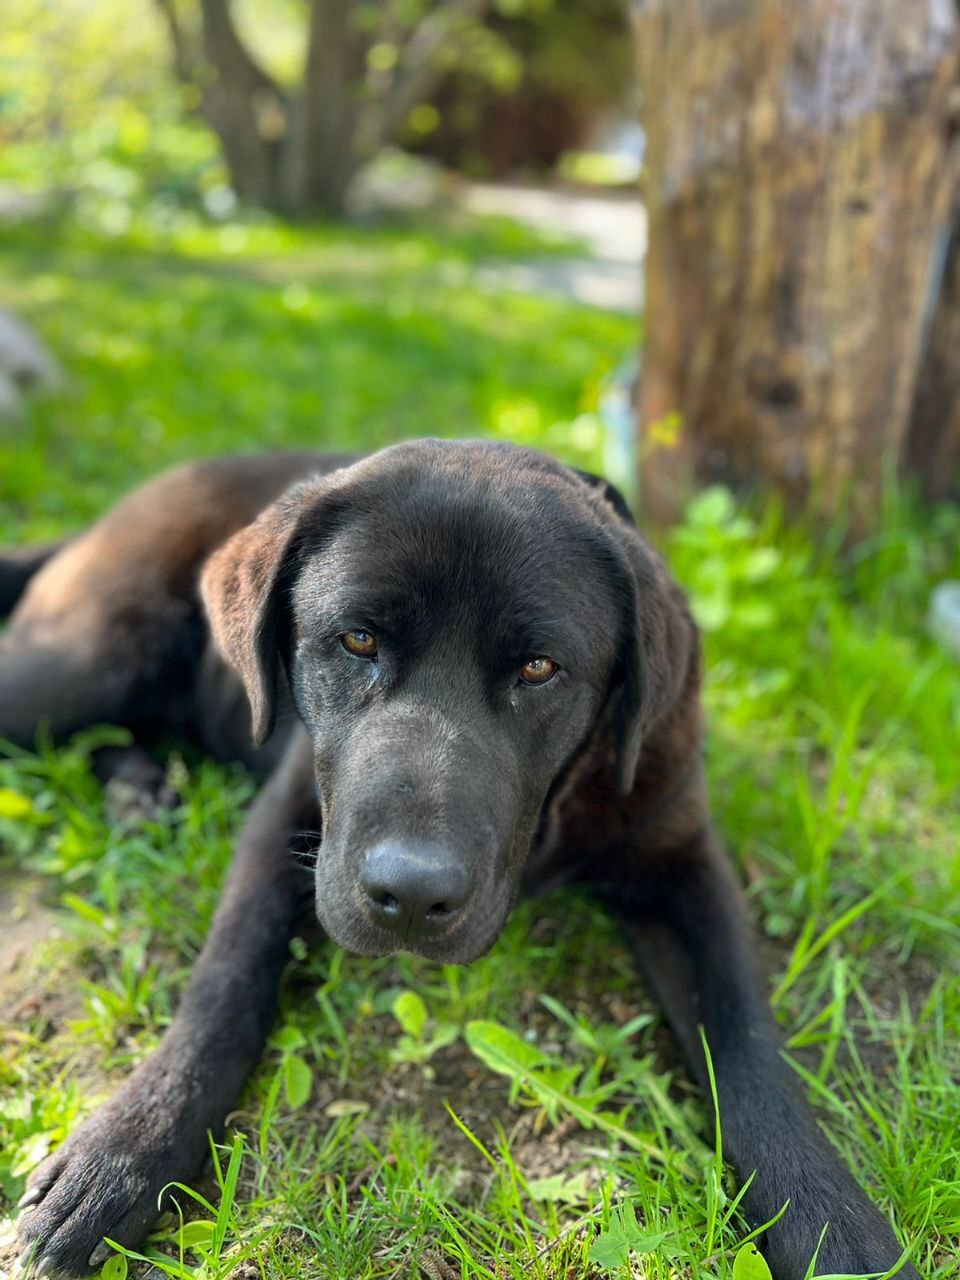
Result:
x=420 y=1040
x=749 y=1264
x=88 y=103
x=624 y=1236
x=204 y=1248
x=560 y=1088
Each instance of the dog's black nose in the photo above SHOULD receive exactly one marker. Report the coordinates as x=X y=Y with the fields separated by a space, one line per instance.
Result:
x=414 y=888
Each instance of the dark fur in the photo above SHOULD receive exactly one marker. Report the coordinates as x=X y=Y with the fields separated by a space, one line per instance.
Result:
x=464 y=559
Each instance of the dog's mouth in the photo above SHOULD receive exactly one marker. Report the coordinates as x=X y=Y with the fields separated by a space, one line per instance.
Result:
x=459 y=944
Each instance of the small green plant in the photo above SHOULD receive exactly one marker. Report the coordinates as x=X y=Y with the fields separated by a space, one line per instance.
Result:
x=730 y=566
x=558 y=1089
x=294 y=1072
x=609 y=1042
x=622 y=1237
x=750 y=1264
x=422 y=1037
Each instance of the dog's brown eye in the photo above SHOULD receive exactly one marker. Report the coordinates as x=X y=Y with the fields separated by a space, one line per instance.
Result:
x=538 y=670
x=362 y=644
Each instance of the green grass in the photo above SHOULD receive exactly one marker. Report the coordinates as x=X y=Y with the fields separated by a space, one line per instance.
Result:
x=526 y=1116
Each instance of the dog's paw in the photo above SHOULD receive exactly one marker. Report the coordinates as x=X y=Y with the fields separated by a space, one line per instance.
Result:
x=861 y=1253
x=103 y=1182
x=857 y=1242
x=138 y=791
x=132 y=805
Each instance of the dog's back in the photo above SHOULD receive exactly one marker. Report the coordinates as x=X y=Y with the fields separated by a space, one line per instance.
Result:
x=102 y=620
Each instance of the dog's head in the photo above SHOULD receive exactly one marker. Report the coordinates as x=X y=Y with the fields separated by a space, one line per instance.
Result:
x=453 y=619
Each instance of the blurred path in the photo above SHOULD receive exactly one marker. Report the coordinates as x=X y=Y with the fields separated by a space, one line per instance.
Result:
x=612 y=227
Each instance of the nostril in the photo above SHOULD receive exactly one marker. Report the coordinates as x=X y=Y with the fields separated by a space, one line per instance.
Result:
x=437 y=910
x=385 y=900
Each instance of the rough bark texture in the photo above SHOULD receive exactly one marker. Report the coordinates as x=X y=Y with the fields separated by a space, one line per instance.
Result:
x=323 y=159
x=245 y=108
x=933 y=445
x=800 y=168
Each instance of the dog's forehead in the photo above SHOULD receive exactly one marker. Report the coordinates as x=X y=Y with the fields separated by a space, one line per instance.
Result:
x=509 y=546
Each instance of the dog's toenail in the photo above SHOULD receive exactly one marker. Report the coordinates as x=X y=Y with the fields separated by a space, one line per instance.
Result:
x=100 y=1254
x=44 y=1266
x=29 y=1198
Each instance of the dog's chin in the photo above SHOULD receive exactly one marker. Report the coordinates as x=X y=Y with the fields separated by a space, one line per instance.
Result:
x=363 y=938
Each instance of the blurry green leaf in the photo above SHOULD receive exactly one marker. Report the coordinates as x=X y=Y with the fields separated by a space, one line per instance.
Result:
x=14 y=805
x=87 y=911
x=759 y=564
x=345 y=1107
x=32 y=1150
x=713 y=507
x=114 y=1268
x=195 y=1234
x=288 y=1038
x=410 y=1011
x=756 y=615
x=710 y=612
x=559 y=1189
x=445 y=1034
x=749 y=1264
x=297 y=1081
x=503 y=1050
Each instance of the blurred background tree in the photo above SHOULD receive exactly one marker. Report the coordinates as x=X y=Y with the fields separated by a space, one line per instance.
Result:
x=286 y=100
x=545 y=76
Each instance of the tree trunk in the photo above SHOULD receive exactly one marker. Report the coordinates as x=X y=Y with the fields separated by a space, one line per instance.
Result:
x=800 y=169
x=244 y=107
x=322 y=157
x=933 y=445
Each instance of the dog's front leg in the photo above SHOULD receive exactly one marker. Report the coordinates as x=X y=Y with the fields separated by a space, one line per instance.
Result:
x=105 y=1179
x=687 y=923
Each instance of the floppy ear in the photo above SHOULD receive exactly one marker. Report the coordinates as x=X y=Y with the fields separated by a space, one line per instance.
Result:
x=243 y=585
x=608 y=491
x=660 y=655
x=660 y=659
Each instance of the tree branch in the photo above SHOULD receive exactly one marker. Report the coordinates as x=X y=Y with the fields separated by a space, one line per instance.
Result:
x=417 y=71
x=229 y=55
x=185 y=59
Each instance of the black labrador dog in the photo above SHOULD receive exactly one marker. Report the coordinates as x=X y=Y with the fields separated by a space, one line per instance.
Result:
x=463 y=664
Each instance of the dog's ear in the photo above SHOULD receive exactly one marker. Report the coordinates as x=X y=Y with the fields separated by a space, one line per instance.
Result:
x=659 y=661
x=244 y=586
x=659 y=654
x=608 y=491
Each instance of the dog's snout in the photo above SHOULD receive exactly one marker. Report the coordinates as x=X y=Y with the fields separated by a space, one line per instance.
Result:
x=414 y=888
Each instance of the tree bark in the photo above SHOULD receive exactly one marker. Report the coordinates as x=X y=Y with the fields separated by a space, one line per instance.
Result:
x=245 y=107
x=800 y=170
x=323 y=158
x=933 y=443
